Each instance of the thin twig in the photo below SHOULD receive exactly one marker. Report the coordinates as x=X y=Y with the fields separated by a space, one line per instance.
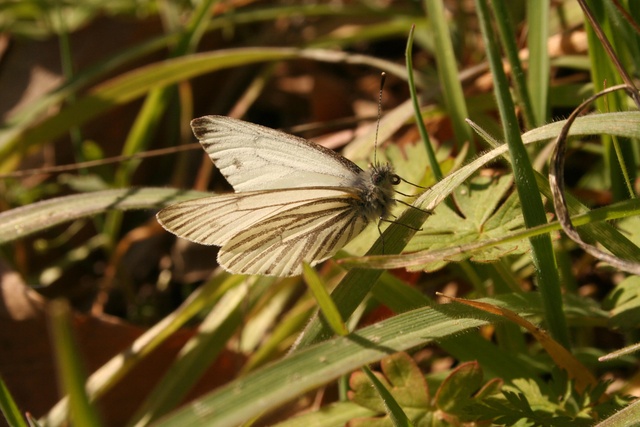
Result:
x=101 y=162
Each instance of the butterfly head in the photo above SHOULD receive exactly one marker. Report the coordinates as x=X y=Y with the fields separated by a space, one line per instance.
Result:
x=375 y=191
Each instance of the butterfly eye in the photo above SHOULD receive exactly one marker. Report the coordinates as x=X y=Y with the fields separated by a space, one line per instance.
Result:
x=395 y=179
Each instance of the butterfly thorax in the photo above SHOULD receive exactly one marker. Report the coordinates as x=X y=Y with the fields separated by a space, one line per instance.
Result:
x=375 y=191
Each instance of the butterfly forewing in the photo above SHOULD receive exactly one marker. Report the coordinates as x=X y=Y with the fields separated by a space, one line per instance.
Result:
x=253 y=157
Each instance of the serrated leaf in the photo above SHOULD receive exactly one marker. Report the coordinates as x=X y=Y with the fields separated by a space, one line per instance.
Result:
x=409 y=385
x=457 y=390
x=624 y=303
x=406 y=383
x=481 y=215
x=491 y=388
x=363 y=393
x=534 y=396
x=561 y=356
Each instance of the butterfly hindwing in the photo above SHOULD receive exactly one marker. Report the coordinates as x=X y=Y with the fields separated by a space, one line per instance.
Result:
x=269 y=232
x=277 y=246
x=214 y=220
x=252 y=157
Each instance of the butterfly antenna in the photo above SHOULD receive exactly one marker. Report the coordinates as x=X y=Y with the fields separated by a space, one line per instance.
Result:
x=390 y=221
x=383 y=78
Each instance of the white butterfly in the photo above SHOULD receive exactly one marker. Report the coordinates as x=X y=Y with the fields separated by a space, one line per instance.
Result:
x=295 y=200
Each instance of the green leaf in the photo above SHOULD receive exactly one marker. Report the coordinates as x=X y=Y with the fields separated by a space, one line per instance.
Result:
x=9 y=408
x=624 y=303
x=402 y=377
x=363 y=393
x=326 y=304
x=457 y=390
x=69 y=366
x=627 y=417
x=21 y=222
x=408 y=381
x=481 y=215
x=310 y=367
x=395 y=413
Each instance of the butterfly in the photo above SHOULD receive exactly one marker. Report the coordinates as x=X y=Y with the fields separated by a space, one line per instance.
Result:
x=294 y=200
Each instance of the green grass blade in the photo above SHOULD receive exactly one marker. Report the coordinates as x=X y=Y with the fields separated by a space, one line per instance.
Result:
x=395 y=412
x=530 y=199
x=401 y=298
x=195 y=357
x=313 y=366
x=25 y=117
x=626 y=417
x=448 y=72
x=23 y=221
x=604 y=75
x=9 y=408
x=538 y=78
x=325 y=303
x=129 y=86
x=111 y=372
x=334 y=414
x=69 y=363
x=137 y=83
x=507 y=36
x=431 y=155
x=352 y=290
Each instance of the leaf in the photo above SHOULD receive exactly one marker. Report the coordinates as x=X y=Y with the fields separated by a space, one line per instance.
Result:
x=560 y=355
x=456 y=397
x=482 y=214
x=363 y=393
x=621 y=124
x=404 y=380
x=408 y=381
x=315 y=365
x=457 y=391
x=20 y=222
x=395 y=413
x=624 y=303
x=325 y=303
